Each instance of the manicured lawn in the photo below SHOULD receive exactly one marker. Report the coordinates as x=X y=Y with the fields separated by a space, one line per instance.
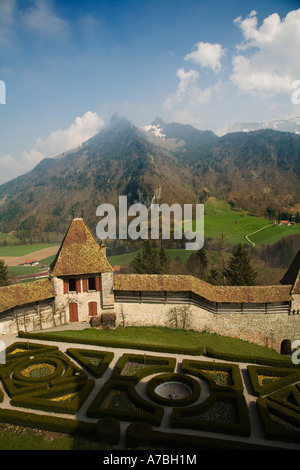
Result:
x=160 y=336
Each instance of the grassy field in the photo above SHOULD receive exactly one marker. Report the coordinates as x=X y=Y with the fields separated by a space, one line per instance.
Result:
x=220 y=217
x=161 y=336
x=22 y=250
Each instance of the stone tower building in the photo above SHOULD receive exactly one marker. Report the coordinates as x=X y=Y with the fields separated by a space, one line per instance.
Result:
x=82 y=277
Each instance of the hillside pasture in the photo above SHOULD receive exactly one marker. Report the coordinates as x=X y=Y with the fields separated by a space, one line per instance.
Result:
x=236 y=224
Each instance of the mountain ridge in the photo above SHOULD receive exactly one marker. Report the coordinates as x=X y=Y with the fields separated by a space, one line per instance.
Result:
x=255 y=170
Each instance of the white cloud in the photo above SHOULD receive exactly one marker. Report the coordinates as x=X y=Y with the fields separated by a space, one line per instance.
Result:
x=188 y=92
x=207 y=55
x=269 y=63
x=60 y=140
x=82 y=129
x=186 y=81
x=42 y=19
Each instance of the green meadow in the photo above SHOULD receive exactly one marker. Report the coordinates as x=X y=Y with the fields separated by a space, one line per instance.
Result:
x=22 y=250
x=220 y=217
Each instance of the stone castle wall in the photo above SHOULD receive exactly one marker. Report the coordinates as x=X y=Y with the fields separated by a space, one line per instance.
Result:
x=32 y=317
x=264 y=329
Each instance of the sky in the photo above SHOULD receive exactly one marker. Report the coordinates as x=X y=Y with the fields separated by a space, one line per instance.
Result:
x=67 y=66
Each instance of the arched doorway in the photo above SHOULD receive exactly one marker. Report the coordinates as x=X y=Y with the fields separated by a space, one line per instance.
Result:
x=286 y=346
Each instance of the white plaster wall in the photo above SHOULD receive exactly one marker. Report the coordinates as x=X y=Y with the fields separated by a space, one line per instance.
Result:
x=81 y=298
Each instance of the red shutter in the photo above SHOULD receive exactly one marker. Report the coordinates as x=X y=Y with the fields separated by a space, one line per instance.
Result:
x=66 y=287
x=85 y=285
x=73 y=310
x=92 y=308
x=97 y=284
x=78 y=285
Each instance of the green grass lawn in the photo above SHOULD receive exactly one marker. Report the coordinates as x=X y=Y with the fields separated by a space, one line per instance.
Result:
x=22 y=250
x=220 y=217
x=161 y=336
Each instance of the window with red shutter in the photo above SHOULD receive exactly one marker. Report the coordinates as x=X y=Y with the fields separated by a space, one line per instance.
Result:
x=78 y=285
x=98 y=284
x=85 y=285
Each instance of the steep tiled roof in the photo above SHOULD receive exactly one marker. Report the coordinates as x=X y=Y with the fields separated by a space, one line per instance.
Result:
x=79 y=253
x=22 y=294
x=245 y=294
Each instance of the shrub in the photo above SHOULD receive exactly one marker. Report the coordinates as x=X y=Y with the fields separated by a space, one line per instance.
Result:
x=66 y=398
x=83 y=356
x=279 y=423
x=153 y=364
x=284 y=362
x=119 y=399
x=138 y=434
x=206 y=416
x=265 y=380
x=213 y=371
x=48 y=423
x=108 y=430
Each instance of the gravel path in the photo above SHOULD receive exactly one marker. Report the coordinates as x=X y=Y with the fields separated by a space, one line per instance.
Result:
x=257 y=434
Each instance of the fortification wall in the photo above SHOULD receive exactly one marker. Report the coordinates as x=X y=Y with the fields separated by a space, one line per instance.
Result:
x=33 y=317
x=264 y=329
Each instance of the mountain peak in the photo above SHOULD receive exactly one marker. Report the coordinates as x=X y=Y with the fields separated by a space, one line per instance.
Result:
x=158 y=122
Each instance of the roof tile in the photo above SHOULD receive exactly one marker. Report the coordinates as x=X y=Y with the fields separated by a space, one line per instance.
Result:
x=79 y=253
x=245 y=294
x=17 y=295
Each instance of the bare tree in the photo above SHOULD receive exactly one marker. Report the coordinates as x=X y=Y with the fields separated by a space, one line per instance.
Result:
x=180 y=317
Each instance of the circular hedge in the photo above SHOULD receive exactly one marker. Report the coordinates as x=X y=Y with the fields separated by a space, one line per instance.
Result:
x=53 y=368
x=155 y=382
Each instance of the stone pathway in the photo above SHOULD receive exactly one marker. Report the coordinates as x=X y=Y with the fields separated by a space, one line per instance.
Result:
x=257 y=434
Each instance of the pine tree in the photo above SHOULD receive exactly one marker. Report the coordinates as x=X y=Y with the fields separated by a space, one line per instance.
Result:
x=150 y=261
x=164 y=261
x=197 y=263
x=240 y=271
x=4 y=276
x=146 y=262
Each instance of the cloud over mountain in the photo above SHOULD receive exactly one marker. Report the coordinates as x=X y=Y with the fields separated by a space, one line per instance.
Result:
x=269 y=63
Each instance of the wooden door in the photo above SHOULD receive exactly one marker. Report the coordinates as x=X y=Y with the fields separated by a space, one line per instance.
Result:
x=92 y=308
x=73 y=310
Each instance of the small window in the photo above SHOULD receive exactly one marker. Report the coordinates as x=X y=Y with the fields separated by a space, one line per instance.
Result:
x=92 y=283
x=72 y=285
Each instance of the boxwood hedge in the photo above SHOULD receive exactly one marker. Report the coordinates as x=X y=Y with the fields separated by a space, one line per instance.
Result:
x=83 y=356
x=150 y=365
x=131 y=406
x=276 y=377
x=202 y=369
x=204 y=416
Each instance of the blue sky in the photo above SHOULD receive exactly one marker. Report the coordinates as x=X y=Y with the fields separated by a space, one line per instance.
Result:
x=69 y=65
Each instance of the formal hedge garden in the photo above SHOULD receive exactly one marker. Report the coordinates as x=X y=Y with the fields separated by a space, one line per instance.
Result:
x=85 y=391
